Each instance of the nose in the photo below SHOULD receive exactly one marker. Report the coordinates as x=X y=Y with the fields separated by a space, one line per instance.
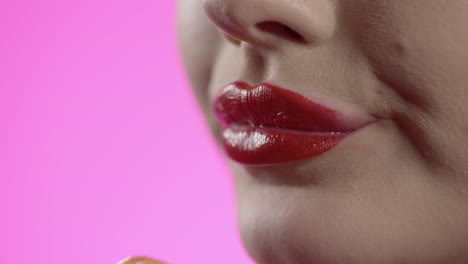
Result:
x=273 y=22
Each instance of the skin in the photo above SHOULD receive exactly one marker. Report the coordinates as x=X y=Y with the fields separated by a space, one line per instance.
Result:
x=396 y=191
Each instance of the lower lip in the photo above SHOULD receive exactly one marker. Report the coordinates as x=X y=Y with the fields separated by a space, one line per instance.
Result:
x=263 y=145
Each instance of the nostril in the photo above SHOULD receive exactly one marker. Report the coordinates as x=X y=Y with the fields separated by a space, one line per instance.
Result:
x=280 y=30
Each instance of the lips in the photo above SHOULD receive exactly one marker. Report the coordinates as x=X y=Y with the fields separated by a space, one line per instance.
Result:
x=266 y=124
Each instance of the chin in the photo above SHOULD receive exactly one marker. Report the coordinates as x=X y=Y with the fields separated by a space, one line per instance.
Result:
x=293 y=230
x=354 y=211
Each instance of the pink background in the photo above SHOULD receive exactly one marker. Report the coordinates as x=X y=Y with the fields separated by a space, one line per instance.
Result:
x=103 y=152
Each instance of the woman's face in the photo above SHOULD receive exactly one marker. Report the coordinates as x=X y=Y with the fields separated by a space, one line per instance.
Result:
x=395 y=188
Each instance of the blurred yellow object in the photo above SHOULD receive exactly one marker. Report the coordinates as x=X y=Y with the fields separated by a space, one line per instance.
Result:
x=140 y=260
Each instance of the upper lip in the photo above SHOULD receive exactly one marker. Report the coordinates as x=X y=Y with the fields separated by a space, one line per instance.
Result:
x=269 y=106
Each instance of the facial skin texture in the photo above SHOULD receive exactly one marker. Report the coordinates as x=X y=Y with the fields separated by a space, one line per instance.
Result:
x=395 y=192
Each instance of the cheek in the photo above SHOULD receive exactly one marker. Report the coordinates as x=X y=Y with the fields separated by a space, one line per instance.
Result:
x=418 y=46
x=419 y=51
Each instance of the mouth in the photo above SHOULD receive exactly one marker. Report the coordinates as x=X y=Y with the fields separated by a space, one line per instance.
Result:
x=266 y=124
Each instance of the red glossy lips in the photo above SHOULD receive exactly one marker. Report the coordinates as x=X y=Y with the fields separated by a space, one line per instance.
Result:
x=266 y=124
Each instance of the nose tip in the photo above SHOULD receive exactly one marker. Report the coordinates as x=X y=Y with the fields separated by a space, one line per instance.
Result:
x=273 y=22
